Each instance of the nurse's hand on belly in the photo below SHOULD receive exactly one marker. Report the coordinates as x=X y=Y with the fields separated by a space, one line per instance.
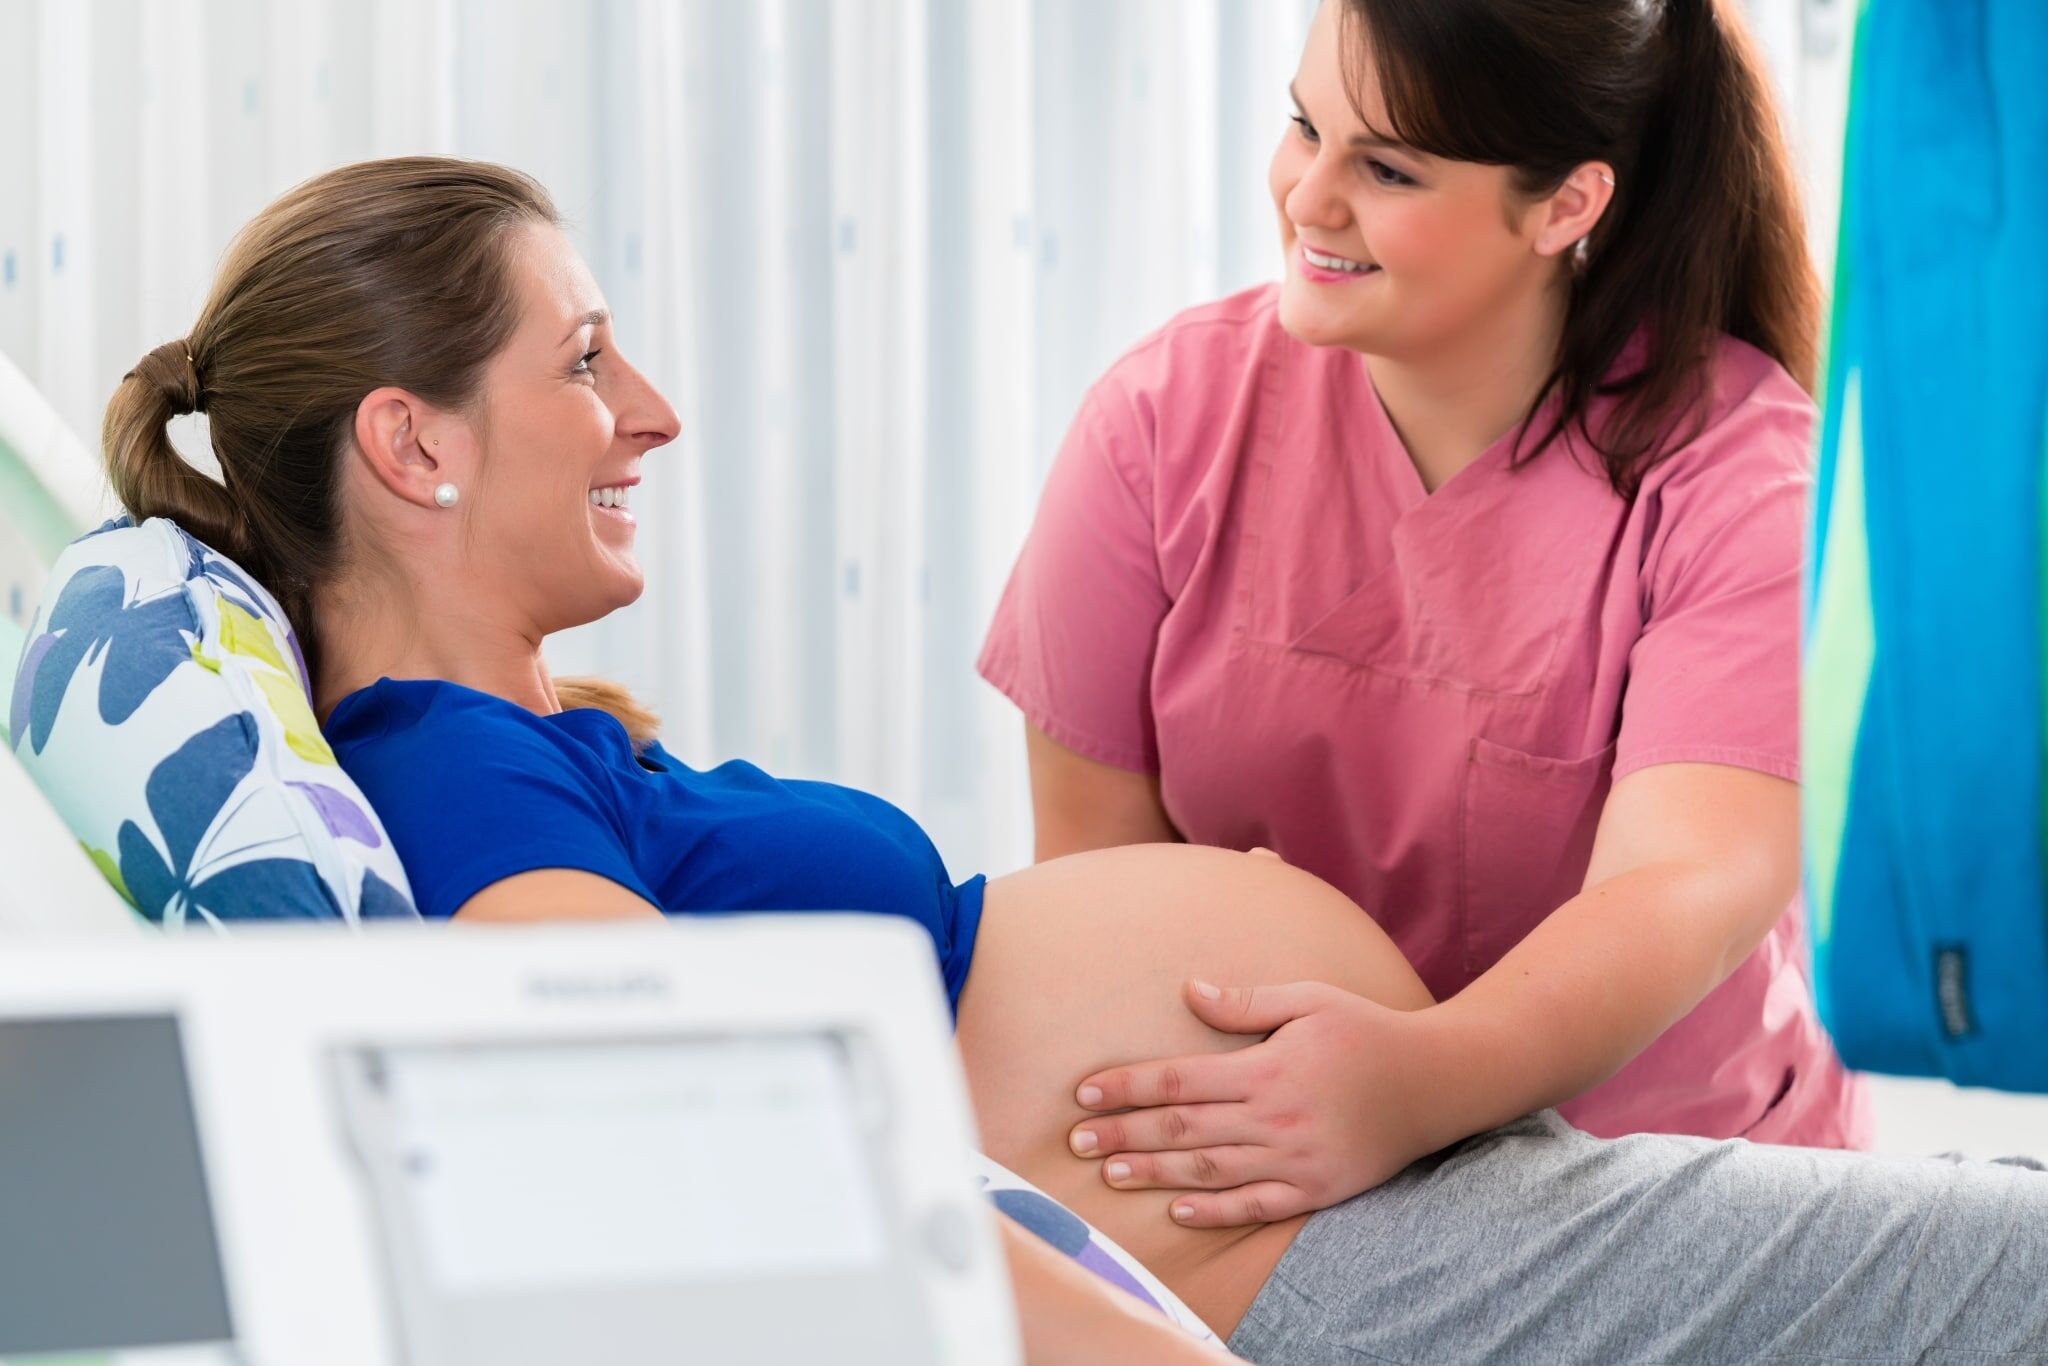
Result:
x=1334 y=1102
x=1691 y=866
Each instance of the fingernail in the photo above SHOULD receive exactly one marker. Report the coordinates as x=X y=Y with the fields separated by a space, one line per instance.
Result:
x=1206 y=992
x=1091 y=1095
x=1118 y=1170
x=1183 y=1212
x=1084 y=1141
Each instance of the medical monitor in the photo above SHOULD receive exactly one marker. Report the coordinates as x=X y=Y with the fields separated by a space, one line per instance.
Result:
x=742 y=1140
x=107 y=1237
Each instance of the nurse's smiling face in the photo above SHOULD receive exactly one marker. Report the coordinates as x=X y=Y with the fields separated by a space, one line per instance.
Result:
x=1391 y=251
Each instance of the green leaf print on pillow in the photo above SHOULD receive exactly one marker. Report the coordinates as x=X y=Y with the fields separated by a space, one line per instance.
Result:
x=244 y=634
x=109 y=869
x=301 y=731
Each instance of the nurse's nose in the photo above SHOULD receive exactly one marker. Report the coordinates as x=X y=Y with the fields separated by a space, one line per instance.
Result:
x=1313 y=201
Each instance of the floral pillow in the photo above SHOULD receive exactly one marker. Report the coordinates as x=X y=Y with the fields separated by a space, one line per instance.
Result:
x=160 y=703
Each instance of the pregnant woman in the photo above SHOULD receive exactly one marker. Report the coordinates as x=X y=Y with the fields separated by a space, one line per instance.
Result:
x=427 y=433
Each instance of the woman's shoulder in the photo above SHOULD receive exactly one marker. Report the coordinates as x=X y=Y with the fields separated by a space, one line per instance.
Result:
x=1198 y=349
x=417 y=722
x=1754 y=432
x=1748 y=383
x=1736 y=492
x=1190 y=401
x=394 y=707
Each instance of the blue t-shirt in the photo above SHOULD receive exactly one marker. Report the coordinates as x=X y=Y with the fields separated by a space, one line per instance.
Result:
x=473 y=789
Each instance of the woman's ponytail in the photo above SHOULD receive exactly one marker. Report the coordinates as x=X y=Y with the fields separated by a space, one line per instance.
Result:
x=148 y=475
x=1715 y=142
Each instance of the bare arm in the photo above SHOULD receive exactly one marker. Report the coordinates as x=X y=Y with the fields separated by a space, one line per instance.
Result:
x=1692 y=865
x=1078 y=803
x=553 y=894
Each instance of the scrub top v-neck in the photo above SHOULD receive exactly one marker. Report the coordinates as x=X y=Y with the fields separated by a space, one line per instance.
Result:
x=1237 y=581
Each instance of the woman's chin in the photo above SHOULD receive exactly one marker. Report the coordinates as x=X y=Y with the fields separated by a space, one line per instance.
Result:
x=1313 y=322
x=626 y=584
x=616 y=580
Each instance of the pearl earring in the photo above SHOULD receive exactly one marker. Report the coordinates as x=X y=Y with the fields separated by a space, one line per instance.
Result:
x=446 y=494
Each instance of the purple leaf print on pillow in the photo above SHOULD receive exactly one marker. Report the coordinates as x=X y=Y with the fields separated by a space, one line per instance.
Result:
x=344 y=817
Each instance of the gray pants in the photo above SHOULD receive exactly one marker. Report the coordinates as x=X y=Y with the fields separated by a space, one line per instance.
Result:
x=1537 y=1243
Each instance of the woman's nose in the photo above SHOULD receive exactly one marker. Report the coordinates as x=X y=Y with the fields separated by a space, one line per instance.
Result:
x=649 y=417
x=1312 y=200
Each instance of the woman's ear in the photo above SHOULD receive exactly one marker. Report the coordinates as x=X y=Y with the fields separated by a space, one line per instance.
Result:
x=390 y=432
x=1574 y=208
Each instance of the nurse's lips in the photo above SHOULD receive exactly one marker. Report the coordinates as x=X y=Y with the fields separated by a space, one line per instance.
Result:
x=1327 y=268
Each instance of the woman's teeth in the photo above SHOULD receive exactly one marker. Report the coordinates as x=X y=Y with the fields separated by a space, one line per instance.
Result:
x=612 y=497
x=1316 y=258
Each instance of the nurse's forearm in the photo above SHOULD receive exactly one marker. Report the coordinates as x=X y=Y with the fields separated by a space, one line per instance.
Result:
x=1592 y=986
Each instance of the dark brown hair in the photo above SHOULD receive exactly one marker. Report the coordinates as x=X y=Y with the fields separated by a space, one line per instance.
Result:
x=1704 y=234
x=394 y=272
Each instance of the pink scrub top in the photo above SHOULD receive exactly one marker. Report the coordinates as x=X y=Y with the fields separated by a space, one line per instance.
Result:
x=1237 y=581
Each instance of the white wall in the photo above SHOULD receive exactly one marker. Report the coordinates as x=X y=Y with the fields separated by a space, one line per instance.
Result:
x=874 y=249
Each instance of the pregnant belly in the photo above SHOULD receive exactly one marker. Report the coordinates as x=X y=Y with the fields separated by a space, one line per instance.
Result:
x=1078 y=965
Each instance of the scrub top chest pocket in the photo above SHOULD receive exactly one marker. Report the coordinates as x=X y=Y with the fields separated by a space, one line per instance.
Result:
x=1525 y=835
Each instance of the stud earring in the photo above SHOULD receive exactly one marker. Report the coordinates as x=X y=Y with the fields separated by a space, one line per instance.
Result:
x=446 y=494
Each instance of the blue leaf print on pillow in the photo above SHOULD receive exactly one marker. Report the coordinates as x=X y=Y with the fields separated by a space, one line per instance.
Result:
x=186 y=794
x=218 y=569
x=32 y=652
x=205 y=562
x=111 y=524
x=266 y=889
x=382 y=901
x=142 y=641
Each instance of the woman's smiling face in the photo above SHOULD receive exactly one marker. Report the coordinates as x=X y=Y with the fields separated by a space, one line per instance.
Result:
x=562 y=428
x=1389 y=251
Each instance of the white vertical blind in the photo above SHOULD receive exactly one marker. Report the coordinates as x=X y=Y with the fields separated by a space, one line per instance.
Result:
x=874 y=250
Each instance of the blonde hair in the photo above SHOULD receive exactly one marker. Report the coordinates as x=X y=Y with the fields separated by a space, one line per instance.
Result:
x=641 y=724
x=382 y=272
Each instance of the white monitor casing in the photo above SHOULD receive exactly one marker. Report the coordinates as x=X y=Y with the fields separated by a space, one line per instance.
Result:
x=265 y=1014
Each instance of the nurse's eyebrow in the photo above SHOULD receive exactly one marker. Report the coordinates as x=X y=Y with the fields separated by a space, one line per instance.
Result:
x=596 y=317
x=1368 y=142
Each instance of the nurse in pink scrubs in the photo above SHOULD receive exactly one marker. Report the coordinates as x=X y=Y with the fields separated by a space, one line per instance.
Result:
x=1462 y=568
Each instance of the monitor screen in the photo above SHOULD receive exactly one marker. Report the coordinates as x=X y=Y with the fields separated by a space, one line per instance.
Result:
x=546 y=1166
x=106 y=1232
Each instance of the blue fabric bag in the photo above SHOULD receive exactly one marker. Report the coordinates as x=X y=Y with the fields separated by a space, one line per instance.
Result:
x=1924 y=681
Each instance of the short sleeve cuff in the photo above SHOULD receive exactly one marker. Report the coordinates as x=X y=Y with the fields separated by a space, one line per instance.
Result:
x=1757 y=760
x=454 y=890
x=1143 y=759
